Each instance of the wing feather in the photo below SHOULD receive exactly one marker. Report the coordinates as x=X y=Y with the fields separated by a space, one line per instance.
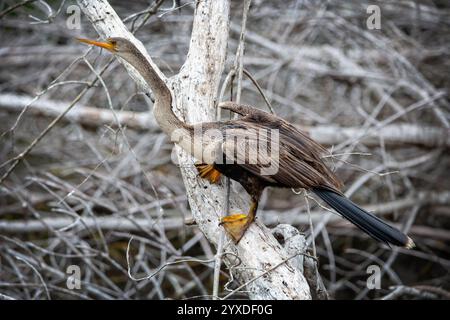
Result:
x=299 y=157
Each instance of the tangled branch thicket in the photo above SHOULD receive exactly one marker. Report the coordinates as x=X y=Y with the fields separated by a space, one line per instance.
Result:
x=377 y=98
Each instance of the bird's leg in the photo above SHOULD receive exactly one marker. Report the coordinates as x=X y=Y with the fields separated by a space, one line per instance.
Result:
x=207 y=171
x=236 y=224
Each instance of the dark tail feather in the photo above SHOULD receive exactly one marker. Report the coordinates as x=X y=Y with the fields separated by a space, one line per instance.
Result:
x=367 y=222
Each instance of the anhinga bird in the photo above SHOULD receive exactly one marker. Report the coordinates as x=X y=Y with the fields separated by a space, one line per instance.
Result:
x=299 y=157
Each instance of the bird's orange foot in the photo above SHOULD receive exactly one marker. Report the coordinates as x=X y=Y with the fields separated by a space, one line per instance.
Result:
x=208 y=172
x=235 y=225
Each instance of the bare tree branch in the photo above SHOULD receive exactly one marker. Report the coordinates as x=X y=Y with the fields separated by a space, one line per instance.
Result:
x=394 y=134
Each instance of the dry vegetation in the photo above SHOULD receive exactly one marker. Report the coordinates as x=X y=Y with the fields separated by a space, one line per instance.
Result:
x=377 y=98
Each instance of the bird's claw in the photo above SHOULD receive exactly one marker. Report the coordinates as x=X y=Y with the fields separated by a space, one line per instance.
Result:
x=235 y=225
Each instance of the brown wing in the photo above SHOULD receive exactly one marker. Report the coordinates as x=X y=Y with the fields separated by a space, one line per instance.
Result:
x=299 y=157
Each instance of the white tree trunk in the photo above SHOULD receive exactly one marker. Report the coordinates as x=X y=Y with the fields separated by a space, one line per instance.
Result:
x=195 y=90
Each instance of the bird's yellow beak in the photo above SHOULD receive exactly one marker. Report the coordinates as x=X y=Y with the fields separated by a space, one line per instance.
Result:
x=107 y=45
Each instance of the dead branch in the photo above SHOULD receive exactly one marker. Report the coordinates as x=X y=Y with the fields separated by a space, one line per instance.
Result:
x=395 y=134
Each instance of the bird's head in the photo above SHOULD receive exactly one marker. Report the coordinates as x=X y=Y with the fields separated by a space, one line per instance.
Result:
x=116 y=45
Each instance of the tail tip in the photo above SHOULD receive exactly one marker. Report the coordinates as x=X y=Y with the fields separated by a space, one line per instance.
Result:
x=409 y=244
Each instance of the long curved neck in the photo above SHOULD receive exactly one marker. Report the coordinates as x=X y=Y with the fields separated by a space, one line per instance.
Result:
x=162 y=108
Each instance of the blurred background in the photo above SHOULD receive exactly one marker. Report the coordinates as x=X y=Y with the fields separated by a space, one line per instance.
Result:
x=377 y=98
